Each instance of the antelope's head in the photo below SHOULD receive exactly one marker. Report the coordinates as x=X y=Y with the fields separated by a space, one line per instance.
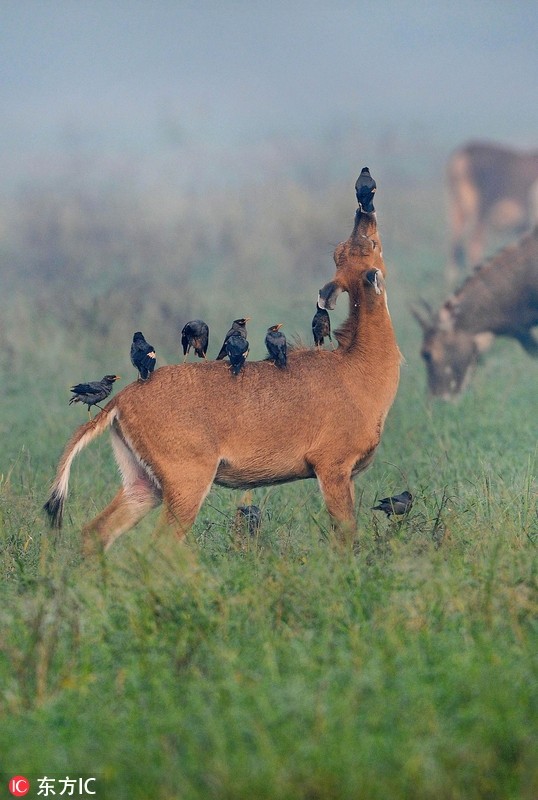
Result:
x=450 y=354
x=356 y=260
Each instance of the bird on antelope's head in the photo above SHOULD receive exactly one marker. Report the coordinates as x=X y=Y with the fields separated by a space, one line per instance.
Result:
x=365 y=189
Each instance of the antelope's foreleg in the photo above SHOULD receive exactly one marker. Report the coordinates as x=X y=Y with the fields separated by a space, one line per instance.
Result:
x=339 y=494
x=126 y=509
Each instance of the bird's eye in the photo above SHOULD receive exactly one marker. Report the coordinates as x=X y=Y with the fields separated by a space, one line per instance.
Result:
x=426 y=355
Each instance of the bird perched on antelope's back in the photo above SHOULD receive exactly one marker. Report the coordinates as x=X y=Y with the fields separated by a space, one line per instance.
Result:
x=276 y=344
x=195 y=334
x=321 y=326
x=398 y=505
x=365 y=189
x=239 y=326
x=92 y=393
x=237 y=349
x=142 y=356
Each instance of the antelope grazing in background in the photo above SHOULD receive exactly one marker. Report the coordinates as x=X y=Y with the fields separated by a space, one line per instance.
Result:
x=489 y=187
x=499 y=299
x=321 y=417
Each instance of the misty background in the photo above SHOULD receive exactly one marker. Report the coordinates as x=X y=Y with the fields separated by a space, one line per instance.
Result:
x=136 y=79
x=168 y=160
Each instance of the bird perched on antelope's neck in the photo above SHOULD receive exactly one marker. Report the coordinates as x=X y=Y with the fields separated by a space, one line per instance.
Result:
x=365 y=187
x=321 y=326
x=142 y=356
x=239 y=326
x=276 y=344
x=398 y=505
x=92 y=393
x=195 y=334
x=237 y=349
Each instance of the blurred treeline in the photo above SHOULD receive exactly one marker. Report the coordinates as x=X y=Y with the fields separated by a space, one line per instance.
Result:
x=103 y=247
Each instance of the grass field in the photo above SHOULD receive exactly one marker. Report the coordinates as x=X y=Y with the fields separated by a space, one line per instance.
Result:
x=273 y=666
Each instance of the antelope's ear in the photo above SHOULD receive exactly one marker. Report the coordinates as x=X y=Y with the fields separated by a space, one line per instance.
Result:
x=328 y=294
x=374 y=278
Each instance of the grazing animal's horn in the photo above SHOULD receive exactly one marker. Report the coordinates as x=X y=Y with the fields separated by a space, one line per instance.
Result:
x=423 y=321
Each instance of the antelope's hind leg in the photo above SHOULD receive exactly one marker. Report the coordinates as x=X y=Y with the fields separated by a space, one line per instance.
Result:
x=139 y=494
x=126 y=509
x=184 y=492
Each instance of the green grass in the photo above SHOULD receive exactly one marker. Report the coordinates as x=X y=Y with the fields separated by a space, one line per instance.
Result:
x=274 y=666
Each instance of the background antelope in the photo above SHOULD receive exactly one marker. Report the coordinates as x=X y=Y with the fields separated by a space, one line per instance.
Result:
x=321 y=417
x=499 y=299
x=489 y=187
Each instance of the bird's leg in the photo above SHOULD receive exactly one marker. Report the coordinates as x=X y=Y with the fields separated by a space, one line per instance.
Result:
x=185 y=357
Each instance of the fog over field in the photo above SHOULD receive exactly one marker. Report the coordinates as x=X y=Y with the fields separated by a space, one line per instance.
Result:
x=136 y=79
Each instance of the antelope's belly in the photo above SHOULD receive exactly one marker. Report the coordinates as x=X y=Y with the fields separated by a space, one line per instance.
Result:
x=242 y=475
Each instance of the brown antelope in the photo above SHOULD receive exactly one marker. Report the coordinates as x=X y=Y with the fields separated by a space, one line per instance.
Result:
x=192 y=425
x=489 y=187
x=499 y=299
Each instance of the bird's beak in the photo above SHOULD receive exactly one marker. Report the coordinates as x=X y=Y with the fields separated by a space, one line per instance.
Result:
x=118 y=377
x=247 y=319
x=278 y=327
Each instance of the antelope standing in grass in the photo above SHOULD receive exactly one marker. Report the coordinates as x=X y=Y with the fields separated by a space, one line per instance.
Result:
x=499 y=299
x=193 y=425
x=489 y=187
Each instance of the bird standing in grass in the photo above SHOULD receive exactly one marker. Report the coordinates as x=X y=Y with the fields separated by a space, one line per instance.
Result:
x=142 y=356
x=195 y=334
x=92 y=393
x=321 y=326
x=276 y=344
x=239 y=327
x=365 y=189
x=251 y=516
x=399 y=505
x=237 y=349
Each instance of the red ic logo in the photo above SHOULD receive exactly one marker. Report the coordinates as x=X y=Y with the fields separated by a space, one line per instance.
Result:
x=19 y=786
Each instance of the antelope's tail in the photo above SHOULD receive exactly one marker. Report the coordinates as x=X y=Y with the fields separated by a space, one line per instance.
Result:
x=82 y=437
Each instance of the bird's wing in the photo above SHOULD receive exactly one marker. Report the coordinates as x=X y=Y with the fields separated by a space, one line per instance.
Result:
x=87 y=388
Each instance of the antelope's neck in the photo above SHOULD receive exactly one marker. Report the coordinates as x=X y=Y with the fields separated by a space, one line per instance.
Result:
x=372 y=348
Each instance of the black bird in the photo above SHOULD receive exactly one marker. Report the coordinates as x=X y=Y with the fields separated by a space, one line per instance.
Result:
x=399 y=505
x=92 y=393
x=195 y=334
x=365 y=189
x=276 y=344
x=142 y=356
x=321 y=326
x=239 y=326
x=252 y=515
x=237 y=349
